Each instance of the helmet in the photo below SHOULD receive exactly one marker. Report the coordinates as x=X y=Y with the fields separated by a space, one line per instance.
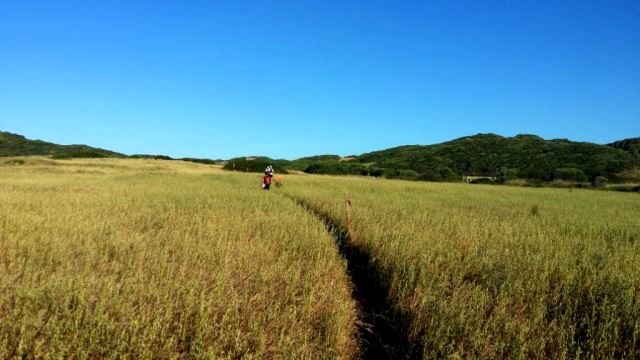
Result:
x=269 y=170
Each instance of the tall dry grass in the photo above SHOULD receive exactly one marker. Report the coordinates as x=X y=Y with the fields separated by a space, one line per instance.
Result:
x=498 y=272
x=156 y=259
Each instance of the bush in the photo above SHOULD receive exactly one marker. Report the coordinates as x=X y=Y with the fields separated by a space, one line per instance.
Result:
x=600 y=181
x=79 y=155
x=406 y=175
x=430 y=175
x=448 y=175
x=151 y=156
x=377 y=172
x=569 y=174
x=534 y=183
x=337 y=168
x=507 y=175
x=625 y=187
x=486 y=181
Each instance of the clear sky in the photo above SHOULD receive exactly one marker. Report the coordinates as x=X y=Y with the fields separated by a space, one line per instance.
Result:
x=219 y=79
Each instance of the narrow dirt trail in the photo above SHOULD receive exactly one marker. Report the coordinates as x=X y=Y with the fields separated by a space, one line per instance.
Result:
x=381 y=332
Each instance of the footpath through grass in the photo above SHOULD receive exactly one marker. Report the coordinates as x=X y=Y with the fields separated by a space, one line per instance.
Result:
x=498 y=272
x=156 y=259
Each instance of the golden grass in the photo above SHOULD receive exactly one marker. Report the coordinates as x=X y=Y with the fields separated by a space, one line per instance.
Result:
x=167 y=259
x=499 y=272
x=156 y=259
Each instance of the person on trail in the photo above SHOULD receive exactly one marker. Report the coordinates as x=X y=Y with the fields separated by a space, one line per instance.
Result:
x=266 y=179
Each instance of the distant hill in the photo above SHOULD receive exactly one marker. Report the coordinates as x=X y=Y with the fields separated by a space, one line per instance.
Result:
x=526 y=157
x=18 y=145
x=257 y=164
x=631 y=146
x=302 y=164
x=165 y=157
x=521 y=156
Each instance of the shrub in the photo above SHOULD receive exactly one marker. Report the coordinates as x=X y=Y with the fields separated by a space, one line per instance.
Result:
x=406 y=175
x=377 y=172
x=151 y=156
x=80 y=154
x=534 y=183
x=337 y=168
x=430 y=175
x=507 y=175
x=600 y=181
x=625 y=188
x=483 y=181
x=569 y=174
x=448 y=175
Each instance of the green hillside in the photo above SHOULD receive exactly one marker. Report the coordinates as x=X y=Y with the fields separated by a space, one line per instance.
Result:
x=526 y=157
x=18 y=145
x=521 y=156
x=631 y=146
x=257 y=164
x=303 y=163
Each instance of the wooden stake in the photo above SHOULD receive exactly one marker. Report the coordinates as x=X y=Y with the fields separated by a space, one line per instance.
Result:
x=347 y=207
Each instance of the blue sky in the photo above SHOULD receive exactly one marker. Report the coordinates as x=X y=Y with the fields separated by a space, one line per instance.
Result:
x=219 y=79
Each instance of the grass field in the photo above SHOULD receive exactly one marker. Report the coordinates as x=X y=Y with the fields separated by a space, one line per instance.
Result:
x=157 y=259
x=499 y=272
x=109 y=258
